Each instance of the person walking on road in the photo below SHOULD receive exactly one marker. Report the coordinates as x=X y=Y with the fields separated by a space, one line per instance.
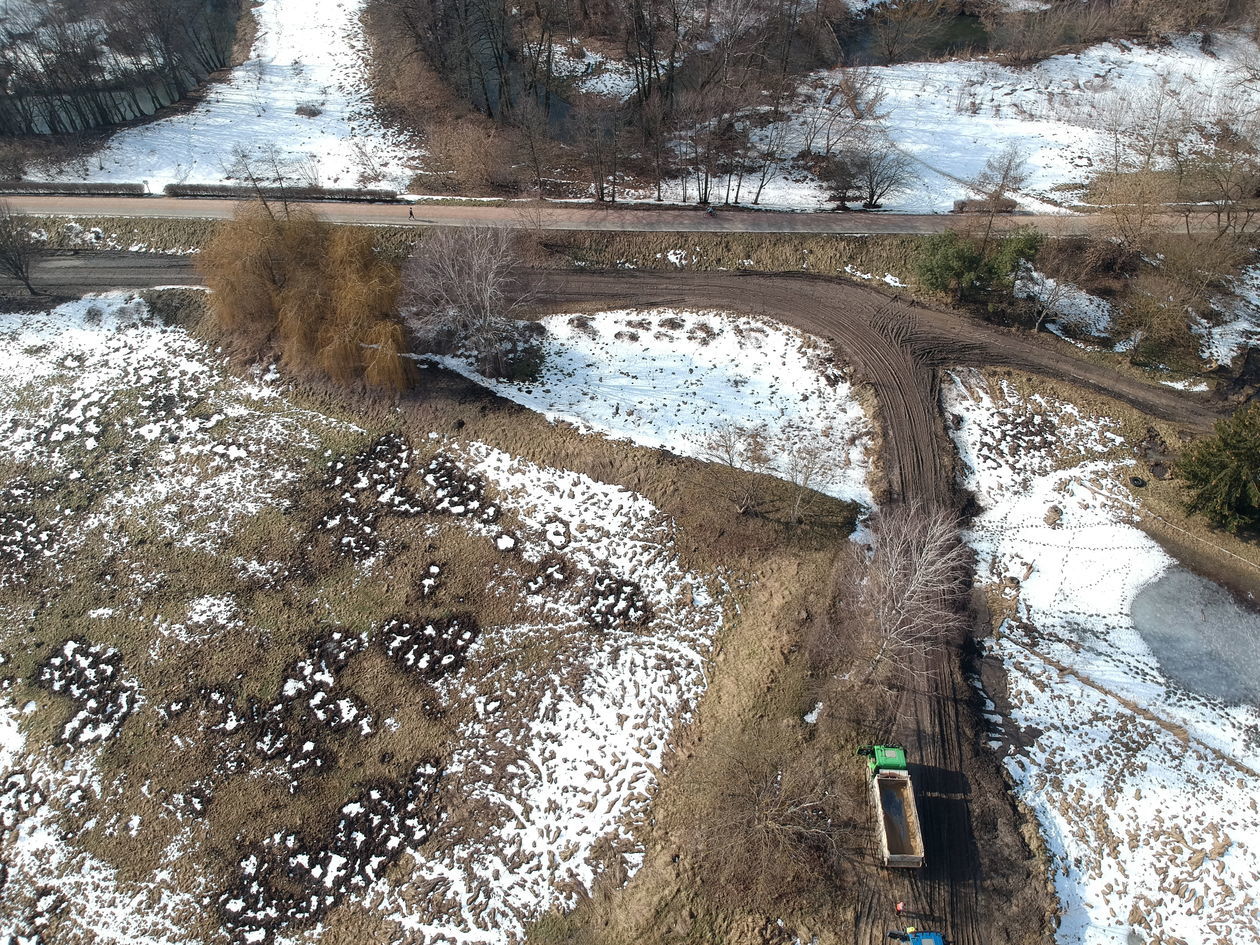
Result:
x=411 y=213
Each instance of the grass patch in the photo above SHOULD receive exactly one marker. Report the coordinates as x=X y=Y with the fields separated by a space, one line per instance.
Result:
x=136 y=234
x=824 y=254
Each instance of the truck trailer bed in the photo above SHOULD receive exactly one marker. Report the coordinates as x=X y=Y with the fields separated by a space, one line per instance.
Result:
x=900 y=839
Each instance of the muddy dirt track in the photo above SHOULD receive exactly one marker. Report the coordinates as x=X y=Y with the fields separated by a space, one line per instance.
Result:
x=896 y=347
x=981 y=886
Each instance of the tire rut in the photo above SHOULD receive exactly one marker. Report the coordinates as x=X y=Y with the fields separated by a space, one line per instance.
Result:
x=964 y=891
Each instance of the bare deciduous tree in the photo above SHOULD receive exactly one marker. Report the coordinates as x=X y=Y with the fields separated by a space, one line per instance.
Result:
x=881 y=172
x=807 y=463
x=16 y=247
x=460 y=288
x=758 y=809
x=742 y=448
x=909 y=588
x=737 y=446
x=901 y=28
x=1004 y=173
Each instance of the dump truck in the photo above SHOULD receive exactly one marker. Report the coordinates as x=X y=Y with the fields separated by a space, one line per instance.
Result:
x=900 y=838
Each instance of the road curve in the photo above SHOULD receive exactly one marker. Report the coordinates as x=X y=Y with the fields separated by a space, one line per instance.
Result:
x=550 y=216
x=895 y=346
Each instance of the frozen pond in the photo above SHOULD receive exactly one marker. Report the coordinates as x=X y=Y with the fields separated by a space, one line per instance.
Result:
x=1203 y=638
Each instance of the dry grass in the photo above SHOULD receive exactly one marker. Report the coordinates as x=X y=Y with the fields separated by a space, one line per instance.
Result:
x=767 y=252
x=761 y=678
x=150 y=234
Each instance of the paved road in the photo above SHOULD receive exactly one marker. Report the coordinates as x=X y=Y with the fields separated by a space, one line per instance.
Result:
x=551 y=216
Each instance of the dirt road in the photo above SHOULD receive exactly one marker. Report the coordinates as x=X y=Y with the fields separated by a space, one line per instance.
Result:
x=972 y=888
x=551 y=216
x=975 y=886
x=895 y=346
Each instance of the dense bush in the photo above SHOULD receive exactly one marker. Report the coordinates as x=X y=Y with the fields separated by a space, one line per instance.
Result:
x=1222 y=472
x=972 y=269
x=316 y=296
x=244 y=191
x=82 y=187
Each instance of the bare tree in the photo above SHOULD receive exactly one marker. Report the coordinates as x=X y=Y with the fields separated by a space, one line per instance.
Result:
x=737 y=446
x=881 y=171
x=1052 y=293
x=459 y=288
x=842 y=175
x=900 y=29
x=909 y=588
x=16 y=247
x=757 y=808
x=807 y=462
x=1003 y=173
x=742 y=448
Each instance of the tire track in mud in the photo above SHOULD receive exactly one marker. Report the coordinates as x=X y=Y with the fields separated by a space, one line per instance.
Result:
x=895 y=347
x=967 y=889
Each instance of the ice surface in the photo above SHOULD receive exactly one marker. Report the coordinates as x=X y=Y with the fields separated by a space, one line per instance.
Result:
x=1200 y=635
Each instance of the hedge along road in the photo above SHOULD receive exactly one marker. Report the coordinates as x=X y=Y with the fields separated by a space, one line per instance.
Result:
x=979 y=889
x=551 y=216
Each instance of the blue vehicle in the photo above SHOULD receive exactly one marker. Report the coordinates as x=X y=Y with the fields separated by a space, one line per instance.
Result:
x=915 y=937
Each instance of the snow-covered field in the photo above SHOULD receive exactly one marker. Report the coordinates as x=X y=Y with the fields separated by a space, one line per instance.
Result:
x=138 y=433
x=300 y=98
x=302 y=93
x=1146 y=792
x=685 y=381
x=951 y=117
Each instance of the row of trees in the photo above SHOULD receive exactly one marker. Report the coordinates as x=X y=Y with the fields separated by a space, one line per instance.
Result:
x=66 y=68
x=710 y=84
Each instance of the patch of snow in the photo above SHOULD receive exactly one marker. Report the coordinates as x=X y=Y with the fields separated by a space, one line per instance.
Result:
x=308 y=55
x=1070 y=306
x=1196 y=387
x=1146 y=793
x=950 y=117
x=592 y=72
x=1240 y=328
x=676 y=380
x=201 y=444
x=581 y=761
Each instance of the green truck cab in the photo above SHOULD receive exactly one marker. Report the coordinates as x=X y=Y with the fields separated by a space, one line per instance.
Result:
x=892 y=796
